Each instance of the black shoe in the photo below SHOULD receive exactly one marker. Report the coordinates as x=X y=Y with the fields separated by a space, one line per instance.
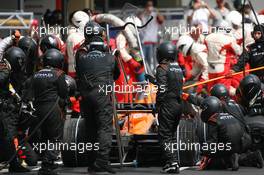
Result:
x=46 y=171
x=234 y=162
x=100 y=169
x=259 y=159
x=54 y=166
x=171 y=168
x=17 y=168
x=95 y=169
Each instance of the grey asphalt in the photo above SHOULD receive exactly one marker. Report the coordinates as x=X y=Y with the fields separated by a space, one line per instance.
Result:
x=152 y=171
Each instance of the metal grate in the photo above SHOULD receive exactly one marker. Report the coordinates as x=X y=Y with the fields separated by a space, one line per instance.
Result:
x=16 y=20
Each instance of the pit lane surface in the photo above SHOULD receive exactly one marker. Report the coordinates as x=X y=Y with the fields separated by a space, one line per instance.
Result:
x=149 y=171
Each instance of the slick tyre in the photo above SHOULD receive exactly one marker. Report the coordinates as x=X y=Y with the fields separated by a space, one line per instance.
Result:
x=75 y=136
x=256 y=125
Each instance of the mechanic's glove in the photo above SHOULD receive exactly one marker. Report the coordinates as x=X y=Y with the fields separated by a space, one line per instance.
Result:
x=230 y=74
x=151 y=78
x=116 y=53
x=255 y=111
x=204 y=162
x=185 y=96
x=14 y=93
x=27 y=107
x=200 y=87
x=136 y=55
x=204 y=93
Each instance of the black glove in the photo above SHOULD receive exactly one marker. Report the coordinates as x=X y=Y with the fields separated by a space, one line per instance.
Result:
x=255 y=111
x=27 y=108
x=116 y=53
x=151 y=78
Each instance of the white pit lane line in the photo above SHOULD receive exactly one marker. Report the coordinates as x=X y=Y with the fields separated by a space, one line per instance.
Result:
x=184 y=168
x=39 y=163
x=60 y=163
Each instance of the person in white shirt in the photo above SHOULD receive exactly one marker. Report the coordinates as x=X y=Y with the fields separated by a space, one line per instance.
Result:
x=149 y=34
x=200 y=14
x=220 y=12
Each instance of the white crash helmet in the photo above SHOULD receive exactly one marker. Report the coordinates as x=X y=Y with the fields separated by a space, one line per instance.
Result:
x=224 y=24
x=184 y=44
x=79 y=19
x=135 y=20
x=234 y=17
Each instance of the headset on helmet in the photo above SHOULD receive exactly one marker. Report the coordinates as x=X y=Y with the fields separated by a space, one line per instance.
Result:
x=71 y=85
x=79 y=19
x=48 y=42
x=249 y=88
x=97 y=43
x=29 y=46
x=210 y=106
x=166 y=51
x=220 y=91
x=92 y=29
x=184 y=44
x=16 y=58
x=53 y=58
x=258 y=28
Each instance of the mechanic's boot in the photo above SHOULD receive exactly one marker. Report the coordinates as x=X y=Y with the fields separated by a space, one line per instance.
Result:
x=253 y=159
x=105 y=166
x=47 y=169
x=171 y=168
x=16 y=167
x=234 y=162
x=259 y=159
x=54 y=166
x=95 y=169
x=100 y=168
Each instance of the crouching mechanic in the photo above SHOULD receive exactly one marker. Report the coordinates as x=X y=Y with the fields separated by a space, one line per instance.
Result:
x=48 y=86
x=253 y=156
x=229 y=105
x=221 y=92
x=96 y=69
x=250 y=95
x=224 y=131
x=169 y=78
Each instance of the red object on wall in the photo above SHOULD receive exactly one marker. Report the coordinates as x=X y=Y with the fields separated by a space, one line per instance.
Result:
x=58 y=4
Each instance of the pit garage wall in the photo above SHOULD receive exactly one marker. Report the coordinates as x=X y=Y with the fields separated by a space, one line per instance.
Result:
x=40 y=6
x=79 y=4
x=257 y=4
